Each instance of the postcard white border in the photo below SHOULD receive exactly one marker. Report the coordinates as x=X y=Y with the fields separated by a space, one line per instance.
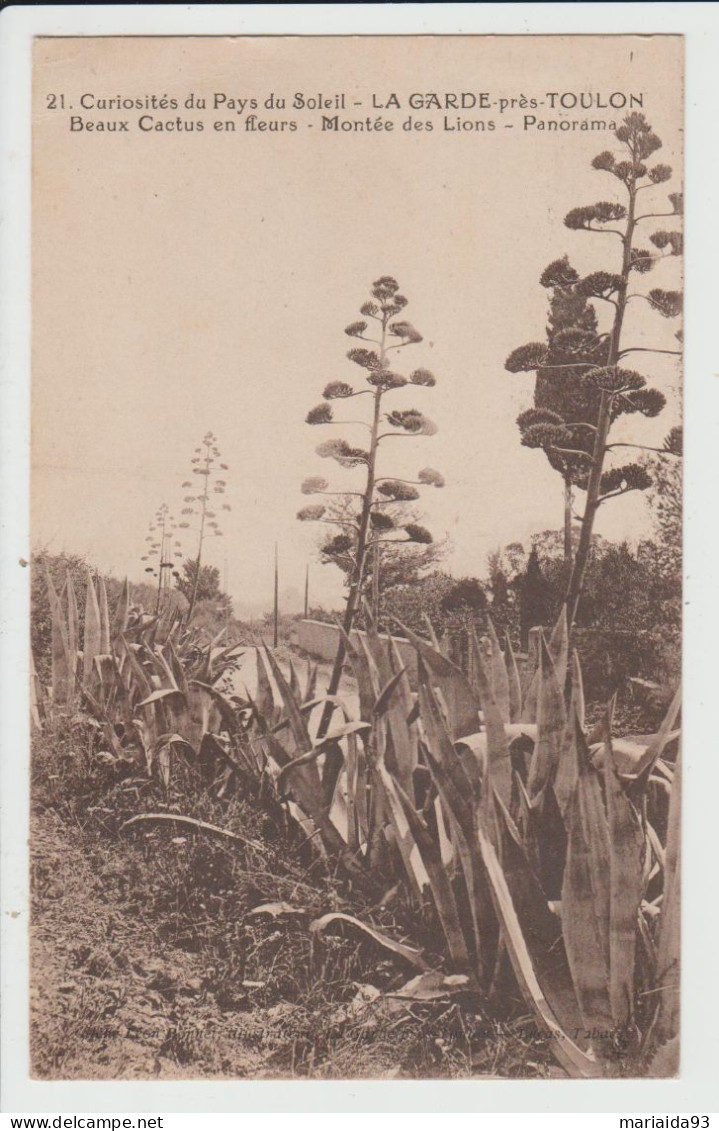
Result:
x=696 y=1090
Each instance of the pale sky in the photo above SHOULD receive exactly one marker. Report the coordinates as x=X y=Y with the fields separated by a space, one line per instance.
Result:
x=186 y=282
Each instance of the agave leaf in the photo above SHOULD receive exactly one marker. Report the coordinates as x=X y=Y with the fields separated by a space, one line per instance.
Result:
x=306 y=784
x=163 y=759
x=514 y=683
x=104 y=617
x=565 y=778
x=390 y=820
x=73 y=635
x=551 y=722
x=529 y=697
x=59 y=646
x=173 y=632
x=142 y=632
x=360 y=667
x=461 y=701
x=106 y=683
x=205 y=672
x=291 y=706
x=123 y=607
x=414 y=957
x=629 y=753
x=375 y=674
x=227 y=653
x=264 y=698
x=295 y=686
x=217 y=637
x=312 y=670
x=35 y=695
x=395 y=702
x=178 y=672
x=578 y=687
x=569 y=1055
x=140 y=676
x=277 y=909
x=542 y=930
x=499 y=678
x=122 y=691
x=404 y=701
x=461 y=805
x=455 y=783
x=163 y=668
x=192 y=823
x=305 y=709
x=305 y=788
x=352 y=784
x=432 y=634
x=163 y=693
x=548 y=836
x=384 y=697
x=439 y=881
x=627 y=845
x=330 y=741
x=669 y=940
x=432 y=986
x=353 y=726
x=376 y=647
x=92 y=639
x=405 y=696
x=223 y=704
x=586 y=894
x=108 y=730
x=499 y=764
x=655 y=749
x=559 y=647
x=274 y=749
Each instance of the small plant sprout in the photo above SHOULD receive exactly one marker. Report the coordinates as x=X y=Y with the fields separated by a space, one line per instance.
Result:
x=163 y=547
x=362 y=523
x=198 y=514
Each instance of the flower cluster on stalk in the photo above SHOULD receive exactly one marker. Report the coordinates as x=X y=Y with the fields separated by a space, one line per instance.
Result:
x=576 y=370
x=362 y=517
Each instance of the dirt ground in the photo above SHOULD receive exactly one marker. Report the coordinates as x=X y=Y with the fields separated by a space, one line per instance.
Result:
x=110 y=999
x=152 y=959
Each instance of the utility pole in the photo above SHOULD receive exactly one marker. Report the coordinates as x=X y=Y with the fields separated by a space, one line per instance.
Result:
x=275 y=633
x=307 y=591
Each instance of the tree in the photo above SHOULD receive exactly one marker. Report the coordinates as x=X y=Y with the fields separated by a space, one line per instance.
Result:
x=370 y=525
x=536 y=597
x=561 y=394
x=412 y=604
x=204 y=588
x=197 y=509
x=598 y=360
x=665 y=501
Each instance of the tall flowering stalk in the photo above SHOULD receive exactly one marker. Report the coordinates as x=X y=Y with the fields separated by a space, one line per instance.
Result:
x=368 y=524
x=162 y=549
x=197 y=512
x=583 y=385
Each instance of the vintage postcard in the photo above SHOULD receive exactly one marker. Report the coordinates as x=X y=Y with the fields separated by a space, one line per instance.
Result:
x=354 y=758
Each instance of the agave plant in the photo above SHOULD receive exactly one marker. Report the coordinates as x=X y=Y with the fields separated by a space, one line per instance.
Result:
x=554 y=843
x=549 y=848
x=146 y=679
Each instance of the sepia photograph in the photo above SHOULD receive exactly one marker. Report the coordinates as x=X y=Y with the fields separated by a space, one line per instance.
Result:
x=354 y=759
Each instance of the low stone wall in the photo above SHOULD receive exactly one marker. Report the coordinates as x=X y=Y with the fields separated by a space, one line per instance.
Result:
x=320 y=640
